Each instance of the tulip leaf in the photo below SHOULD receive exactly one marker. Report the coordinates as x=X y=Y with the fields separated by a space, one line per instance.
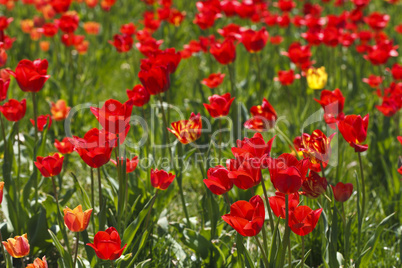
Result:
x=66 y=260
x=83 y=196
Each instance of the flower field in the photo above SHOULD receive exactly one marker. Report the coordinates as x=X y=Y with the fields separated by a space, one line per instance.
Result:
x=211 y=133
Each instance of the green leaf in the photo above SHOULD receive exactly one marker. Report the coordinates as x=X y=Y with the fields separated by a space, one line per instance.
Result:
x=66 y=260
x=83 y=196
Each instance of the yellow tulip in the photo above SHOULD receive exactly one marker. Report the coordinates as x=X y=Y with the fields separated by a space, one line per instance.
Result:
x=317 y=78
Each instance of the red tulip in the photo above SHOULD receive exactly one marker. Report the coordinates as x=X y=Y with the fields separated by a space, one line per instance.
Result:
x=247 y=218
x=169 y=58
x=160 y=179
x=49 y=29
x=231 y=30
x=107 y=244
x=354 y=130
x=245 y=173
x=49 y=166
x=317 y=146
x=60 y=6
x=42 y=121
x=218 y=181
x=131 y=165
x=286 y=78
x=95 y=148
x=139 y=95
x=342 y=192
x=206 y=19
x=264 y=117
x=31 y=75
x=389 y=107
x=213 y=80
x=314 y=185
x=219 y=105
x=68 y=22
x=396 y=71
x=332 y=102
x=373 y=81
x=278 y=203
x=224 y=52
x=64 y=146
x=287 y=173
x=377 y=21
x=381 y=52
x=4 y=22
x=122 y=43
x=14 y=110
x=254 y=147
x=155 y=78
x=187 y=131
x=254 y=41
x=4 y=84
x=299 y=55
x=128 y=29
x=303 y=220
x=114 y=116
x=149 y=47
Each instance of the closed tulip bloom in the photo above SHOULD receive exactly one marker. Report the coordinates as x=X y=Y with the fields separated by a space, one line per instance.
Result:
x=60 y=6
x=168 y=57
x=314 y=185
x=1 y=191
x=224 y=52
x=303 y=220
x=38 y=263
x=160 y=179
x=247 y=218
x=245 y=173
x=114 y=116
x=49 y=29
x=128 y=29
x=122 y=43
x=50 y=165
x=155 y=78
x=219 y=105
x=264 y=117
x=68 y=22
x=396 y=71
x=4 y=22
x=286 y=78
x=95 y=148
x=218 y=181
x=342 y=191
x=287 y=173
x=317 y=146
x=107 y=244
x=332 y=102
x=316 y=78
x=377 y=21
x=278 y=203
x=14 y=110
x=354 y=130
x=91 y=27
x=131 y=164
x=187 y=131
x=373 y=81
x=75 y=219
x=64 y=146
x=213 y=80
x=254 y=41
x=17 y=247
x=59 y=110
x=254 y=147
x=139 y=95
x=4 y=84
x=31 y=75
x=42 y=120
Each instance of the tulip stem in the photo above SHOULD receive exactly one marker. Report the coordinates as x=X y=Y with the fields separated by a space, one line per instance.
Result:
x=271 y=219
x=22 y=262
x=55 y=191
x=111 y=264
x=18 y=159
x=363 y=186
x=3 y=251
x=257 y=56
x=227 y=199
x=286 y=236
x=220 y=141
x=35 y=110
x=150 y=209
x=166 y=126
x=3 y=131
x=76 y=248
x=302 y=257
x=264 y=256
x=100 y=189
x=287 y=139
x=92 y=196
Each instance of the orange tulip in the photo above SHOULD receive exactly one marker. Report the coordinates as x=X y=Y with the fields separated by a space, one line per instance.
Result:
x=18 y=246
x=59 y=110
x=38 y=263
x=77 y=220
x=1 y=191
